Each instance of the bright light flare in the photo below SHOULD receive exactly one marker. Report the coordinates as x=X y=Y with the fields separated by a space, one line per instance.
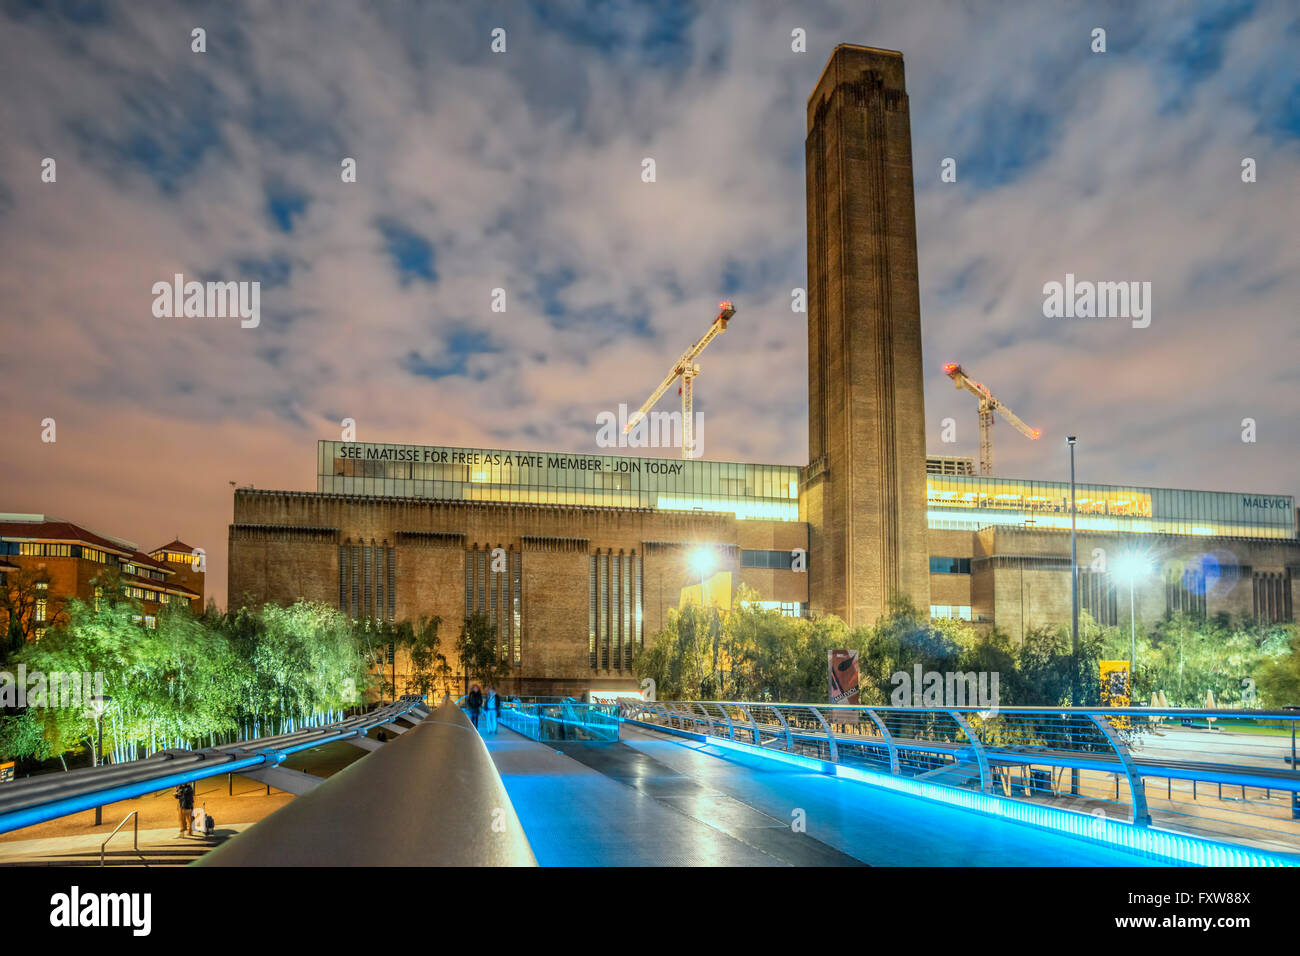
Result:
x=702 y=561
x=1132 y=566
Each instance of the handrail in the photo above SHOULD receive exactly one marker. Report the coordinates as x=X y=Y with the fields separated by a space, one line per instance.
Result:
x=1166 y=756
x=981 y=758
x=50 y=796
x=432 y=797
x=135 y=839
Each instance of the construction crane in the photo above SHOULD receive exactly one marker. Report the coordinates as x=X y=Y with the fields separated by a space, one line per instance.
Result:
x=686 y=369
x=988 y=405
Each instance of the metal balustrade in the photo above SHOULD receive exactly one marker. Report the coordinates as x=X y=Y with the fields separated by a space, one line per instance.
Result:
x=433 y=797
x=52 y=795
x=1227 y=775
x=568 y=720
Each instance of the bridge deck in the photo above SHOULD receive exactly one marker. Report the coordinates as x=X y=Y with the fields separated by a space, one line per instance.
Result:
x=653 y=799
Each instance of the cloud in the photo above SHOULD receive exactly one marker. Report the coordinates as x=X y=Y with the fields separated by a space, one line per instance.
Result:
x=523 y=171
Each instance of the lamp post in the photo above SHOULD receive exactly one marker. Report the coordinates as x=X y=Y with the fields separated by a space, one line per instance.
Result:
x=702 y=563
x=99 y=703
x=1074 y=608
x=1132 y=566
x=1074 y=584
x=1295 y=795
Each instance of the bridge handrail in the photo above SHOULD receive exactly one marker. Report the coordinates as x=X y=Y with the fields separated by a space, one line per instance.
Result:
x=32 y=800
x=431 y=797
x=1234 y=749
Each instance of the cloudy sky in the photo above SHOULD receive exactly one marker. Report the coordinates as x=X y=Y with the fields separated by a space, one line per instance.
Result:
x=522 y=170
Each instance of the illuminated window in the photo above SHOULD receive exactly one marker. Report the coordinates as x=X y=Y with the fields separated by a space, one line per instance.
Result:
x=949 y=565
x=775 y=560
x=950 y=611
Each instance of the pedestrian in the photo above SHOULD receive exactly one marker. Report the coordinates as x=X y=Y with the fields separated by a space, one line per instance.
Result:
x=185 y=804
x=491 y=707
x=474 y=703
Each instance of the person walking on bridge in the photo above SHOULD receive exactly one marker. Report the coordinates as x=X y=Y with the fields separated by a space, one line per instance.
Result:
x=185 y=804
x=474 y=703
x=491 y=709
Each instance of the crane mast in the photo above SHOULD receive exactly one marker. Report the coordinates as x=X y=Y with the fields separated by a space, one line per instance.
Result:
x=686 y=368
x=987 y=406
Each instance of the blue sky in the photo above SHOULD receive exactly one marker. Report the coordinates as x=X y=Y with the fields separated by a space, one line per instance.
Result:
x=522 y=171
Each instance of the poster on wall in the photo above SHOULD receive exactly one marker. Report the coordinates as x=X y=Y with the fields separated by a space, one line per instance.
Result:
x=844 y=677
x=1116 y=688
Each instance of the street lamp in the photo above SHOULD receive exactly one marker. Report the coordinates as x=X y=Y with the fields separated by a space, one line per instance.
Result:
x=99 y=703
x=1295 y=795
x=1132 y=566
x=1074 y=582
x=1074 y=609
x=702 y=561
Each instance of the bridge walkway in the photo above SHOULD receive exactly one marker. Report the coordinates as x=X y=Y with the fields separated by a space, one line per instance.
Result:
x=654 y=799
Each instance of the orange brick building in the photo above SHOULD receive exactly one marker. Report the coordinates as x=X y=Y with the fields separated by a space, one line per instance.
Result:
x=576 y=559
x=45 y=562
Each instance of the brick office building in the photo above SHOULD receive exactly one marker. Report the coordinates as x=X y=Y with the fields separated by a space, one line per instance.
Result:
x=594 y=550
x=56 y=561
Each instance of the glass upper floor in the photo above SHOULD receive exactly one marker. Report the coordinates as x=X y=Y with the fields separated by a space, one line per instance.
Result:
x=769 y=492
x=969 y=501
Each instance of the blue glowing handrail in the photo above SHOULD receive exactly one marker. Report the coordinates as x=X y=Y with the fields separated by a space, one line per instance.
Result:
x=158 y=773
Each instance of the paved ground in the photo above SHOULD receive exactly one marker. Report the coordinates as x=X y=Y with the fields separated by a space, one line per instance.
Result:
x=877 y=826
x=652 y=799
x=608 y=805
x=233 y=804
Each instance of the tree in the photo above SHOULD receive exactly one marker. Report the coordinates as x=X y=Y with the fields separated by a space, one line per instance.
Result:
x=429 y=668
x=481 y=660
x=22 y=612
x=1279 y=673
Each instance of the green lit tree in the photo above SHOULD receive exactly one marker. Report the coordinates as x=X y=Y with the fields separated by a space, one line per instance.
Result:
x=481 y=660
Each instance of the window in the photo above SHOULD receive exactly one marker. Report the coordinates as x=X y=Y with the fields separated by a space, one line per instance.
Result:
x=515 y=613
x=343 y=578
x=1185 y=593
x=950 y=611
x=1272 y=596
x=1097 y=597
x=774 y=560
x=392 y=584
x=591 y=612
x=602 y=610
x=949 y=565
x=40 y=549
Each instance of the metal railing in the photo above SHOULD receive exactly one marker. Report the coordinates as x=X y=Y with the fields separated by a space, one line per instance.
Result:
x=135 y=836
x=569 y=720
x=432 y=797
x=49 y=796
x=1228 y=775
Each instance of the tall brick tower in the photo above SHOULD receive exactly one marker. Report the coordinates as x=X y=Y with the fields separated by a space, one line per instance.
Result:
x=863 y=494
